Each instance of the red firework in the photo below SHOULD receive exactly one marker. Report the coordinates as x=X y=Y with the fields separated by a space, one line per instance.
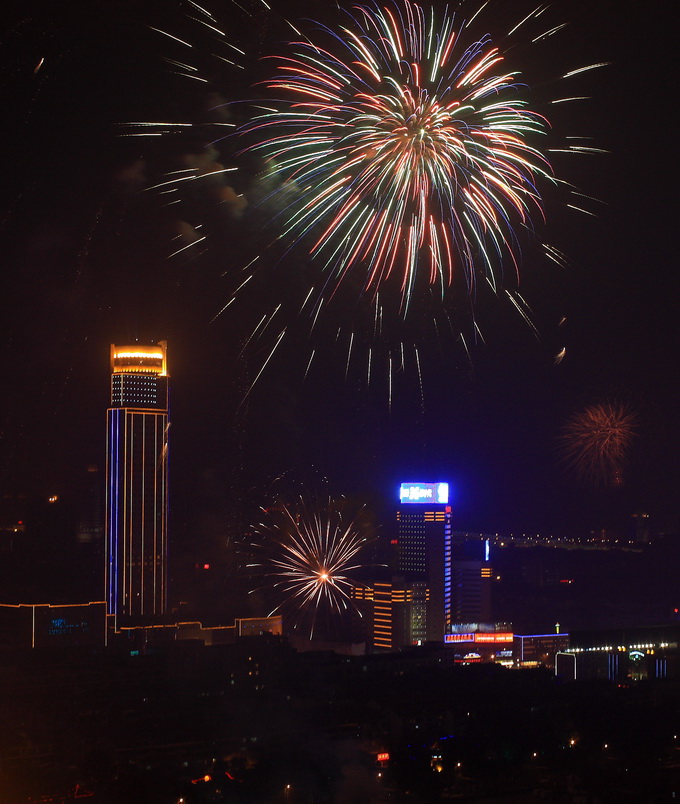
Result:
x=595 y=443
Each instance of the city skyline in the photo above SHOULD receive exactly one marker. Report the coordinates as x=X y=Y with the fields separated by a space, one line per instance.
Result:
x=222 y=592
x=86 y=251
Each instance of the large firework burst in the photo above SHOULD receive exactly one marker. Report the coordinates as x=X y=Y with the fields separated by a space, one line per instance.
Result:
x=595 y=442
x=310 y=548
x=406 y=154
x=409 y=148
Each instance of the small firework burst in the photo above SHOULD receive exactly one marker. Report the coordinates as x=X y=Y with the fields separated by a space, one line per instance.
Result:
x=311 y=547
x=595 y=443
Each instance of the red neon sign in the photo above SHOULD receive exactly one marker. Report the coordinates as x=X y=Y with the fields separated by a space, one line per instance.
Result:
x=500 y=636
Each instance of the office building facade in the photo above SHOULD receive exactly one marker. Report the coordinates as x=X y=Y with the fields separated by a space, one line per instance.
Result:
x=423 y=547
x=440 y=581
x=137 y=482
x=469 y=579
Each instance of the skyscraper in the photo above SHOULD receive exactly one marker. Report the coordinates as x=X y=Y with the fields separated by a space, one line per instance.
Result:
x=137 y=482
x=424 y=557
x=439 y=589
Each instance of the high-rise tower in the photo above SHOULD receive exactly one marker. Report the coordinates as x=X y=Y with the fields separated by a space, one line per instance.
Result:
x=424 y=556
x=137 y=482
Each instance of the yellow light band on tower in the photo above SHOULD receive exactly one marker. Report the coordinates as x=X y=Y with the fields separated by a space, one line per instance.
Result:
x=139 y=359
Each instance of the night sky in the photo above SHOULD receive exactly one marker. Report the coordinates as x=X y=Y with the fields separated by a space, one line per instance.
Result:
x=85 y=263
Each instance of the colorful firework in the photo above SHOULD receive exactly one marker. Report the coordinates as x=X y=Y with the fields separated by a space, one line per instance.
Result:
x=596 y=441
x=402 y=154
x=311 y=549
x=406 y=155
x=409 y=149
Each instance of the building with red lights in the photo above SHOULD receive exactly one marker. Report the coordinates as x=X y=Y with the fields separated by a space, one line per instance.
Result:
x=481 y=642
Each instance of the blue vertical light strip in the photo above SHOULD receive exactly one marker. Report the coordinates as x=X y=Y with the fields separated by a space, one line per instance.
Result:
x=138 y=522
x=107 y=520
x=448 y=548
x=127 y=513
x=117 y=514
x=165 y=446
x=122 y=509
x=142 y=517
x=111 y=514
x=162 y=566
x=613 y=669
x=157 y=460
x=161 y=499
x=113 y=510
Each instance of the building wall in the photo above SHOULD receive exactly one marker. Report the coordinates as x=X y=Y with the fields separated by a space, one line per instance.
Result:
x=423 y=547
x=471 y=577
x=137 y=483
x=539 y=649
x=48 y=625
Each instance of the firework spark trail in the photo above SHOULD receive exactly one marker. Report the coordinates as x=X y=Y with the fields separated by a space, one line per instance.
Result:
x=314 y=549
x=596 y=441
x=411 y=150
x=402 y=153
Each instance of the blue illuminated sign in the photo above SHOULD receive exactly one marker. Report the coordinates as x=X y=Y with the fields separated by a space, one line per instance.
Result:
x=437 y=493
x=59 y=627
